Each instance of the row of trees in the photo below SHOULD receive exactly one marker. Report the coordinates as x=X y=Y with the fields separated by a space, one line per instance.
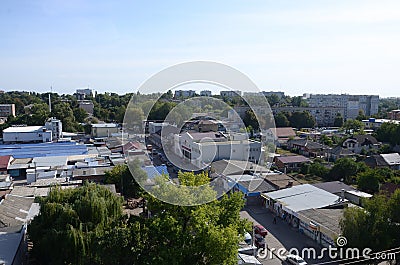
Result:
x=296 y=119
x=389 y=133
x=352 y=172
x=376 y=226
x=89 y=226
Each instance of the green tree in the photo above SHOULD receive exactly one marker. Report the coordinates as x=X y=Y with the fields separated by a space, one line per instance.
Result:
x=80 y=114
x=39 y=113
x=69 y=219
x=124 y=181
x=368 y=181
x=352 y=126
x=63 y=111
x=338 y=122
x=298 y=102
x=250 y=119
x=389 y=132
x=302 y=120
x=346 y=169
x=361 y=116
x=281 y=120
x=273 y=99
x=202 y=234
x=318 y=169
x=326 y=140
x=375 y=226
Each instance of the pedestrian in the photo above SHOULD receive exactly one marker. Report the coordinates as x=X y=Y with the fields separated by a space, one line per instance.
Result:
x=274 y=219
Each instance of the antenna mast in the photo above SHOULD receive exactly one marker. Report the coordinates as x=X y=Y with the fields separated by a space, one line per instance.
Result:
x=51 y=91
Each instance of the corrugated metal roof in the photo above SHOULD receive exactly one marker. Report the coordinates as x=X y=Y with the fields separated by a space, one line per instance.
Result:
x=153 y=171
x=50 y=161
x=303 y=197
x=391 y=159
x=43 y=149
x=22 y=129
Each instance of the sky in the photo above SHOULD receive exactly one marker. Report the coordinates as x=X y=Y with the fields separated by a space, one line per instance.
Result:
x=330 y=46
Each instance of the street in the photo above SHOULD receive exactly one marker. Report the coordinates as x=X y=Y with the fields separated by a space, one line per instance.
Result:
x=281 y=236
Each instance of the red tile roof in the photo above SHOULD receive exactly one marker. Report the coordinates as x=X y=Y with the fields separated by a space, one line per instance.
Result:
x=284 y=132
x=293 y=159
x=4 y=161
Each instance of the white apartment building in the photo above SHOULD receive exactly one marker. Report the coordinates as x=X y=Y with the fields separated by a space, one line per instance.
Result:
x=351 y=104
x=184 y=93
x=203 y=148
x=55 y=126
x=277 y=93
x=205 y=93
x=230 y=93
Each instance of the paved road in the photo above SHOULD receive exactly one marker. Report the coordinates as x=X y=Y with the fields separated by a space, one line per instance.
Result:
x=281 y=235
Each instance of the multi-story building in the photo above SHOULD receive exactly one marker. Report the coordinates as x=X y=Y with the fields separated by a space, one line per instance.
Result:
x=7 y=110
x=394 y=114
x=203 y=148
x=184 y=93
x=230 y=93
x=205 y=93
x=55 y=126
x=86 y=105
x=324 y=116
x=277 y=93
x=351 y=104
x=102 y=130
x=83 y=93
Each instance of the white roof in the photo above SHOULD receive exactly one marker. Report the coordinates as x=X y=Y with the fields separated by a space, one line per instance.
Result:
x=237 y=178
x=359 y=193
x=391 y=159
x=104 y=125
x=50 y=161
x=303 y=197
x=22 y=129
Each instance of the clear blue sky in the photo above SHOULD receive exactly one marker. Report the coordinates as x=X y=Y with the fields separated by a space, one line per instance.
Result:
x=328 y=46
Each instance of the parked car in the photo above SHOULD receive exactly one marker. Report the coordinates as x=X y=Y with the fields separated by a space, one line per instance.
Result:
x=295 y=260
x=259 y=241
x=259 y=229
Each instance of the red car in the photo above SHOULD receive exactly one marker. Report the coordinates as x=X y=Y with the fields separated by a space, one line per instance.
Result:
x=259 y=229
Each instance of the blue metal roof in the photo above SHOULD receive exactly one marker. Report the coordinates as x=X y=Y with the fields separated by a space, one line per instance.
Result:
x=43 y=149
x=153 y=171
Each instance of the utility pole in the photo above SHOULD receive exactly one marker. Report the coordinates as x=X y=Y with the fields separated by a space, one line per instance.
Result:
x=51 y=91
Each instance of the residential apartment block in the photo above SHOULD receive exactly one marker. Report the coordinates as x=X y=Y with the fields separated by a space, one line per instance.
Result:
x=230 y=93
x=351 y=104
x=205 y=93
x=7 y=110
x=184 y=93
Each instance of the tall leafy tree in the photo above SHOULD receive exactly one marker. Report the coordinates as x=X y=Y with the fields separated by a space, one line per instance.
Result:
x=302 y=120
x=338 y=122
x=69 y=219
x=375 y=226
x=281 y=120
